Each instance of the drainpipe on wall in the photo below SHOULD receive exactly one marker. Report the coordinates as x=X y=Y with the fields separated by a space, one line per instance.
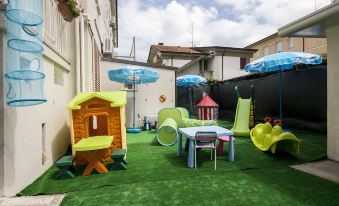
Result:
x=222 y=65
x=77 y=57
x=82 y=53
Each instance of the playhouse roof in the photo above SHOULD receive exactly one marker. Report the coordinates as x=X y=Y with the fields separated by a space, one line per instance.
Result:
x=117 y=98
x=207 y=102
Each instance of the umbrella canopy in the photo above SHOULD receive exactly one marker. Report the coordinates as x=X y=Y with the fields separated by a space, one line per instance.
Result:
x=282 y=61
x=279 y=62
x=190 y=80
x=133 y=75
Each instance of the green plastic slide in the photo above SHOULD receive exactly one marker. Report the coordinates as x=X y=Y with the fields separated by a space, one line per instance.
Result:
x=266 y=138
x=167 y=132
x=242 y=118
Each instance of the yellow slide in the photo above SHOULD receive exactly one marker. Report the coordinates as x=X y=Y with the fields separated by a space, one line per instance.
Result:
x=242 y=118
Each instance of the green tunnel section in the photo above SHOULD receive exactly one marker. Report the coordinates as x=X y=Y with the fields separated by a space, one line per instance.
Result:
x=167 y=132
x=171 y=119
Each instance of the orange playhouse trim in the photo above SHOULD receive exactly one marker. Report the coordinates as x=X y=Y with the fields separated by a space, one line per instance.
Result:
x=95 y=114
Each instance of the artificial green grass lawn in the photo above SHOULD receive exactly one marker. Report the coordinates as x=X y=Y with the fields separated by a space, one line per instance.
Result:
x=156 y=176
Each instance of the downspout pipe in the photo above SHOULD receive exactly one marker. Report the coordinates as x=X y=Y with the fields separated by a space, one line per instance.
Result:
x=77 y=57
x=222 y=66
x=82 y=52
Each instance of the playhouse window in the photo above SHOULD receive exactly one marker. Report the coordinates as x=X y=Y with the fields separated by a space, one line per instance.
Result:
x=94 y=122
x=95 y=106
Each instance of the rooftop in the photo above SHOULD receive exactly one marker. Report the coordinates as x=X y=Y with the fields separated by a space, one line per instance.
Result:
x=175 y=49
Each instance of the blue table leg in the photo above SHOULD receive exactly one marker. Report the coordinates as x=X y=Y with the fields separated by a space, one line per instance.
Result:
x=179 y=151
x=231 y=150
x=190 y=162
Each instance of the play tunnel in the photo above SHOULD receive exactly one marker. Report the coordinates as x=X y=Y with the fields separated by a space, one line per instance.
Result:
x=167 y=132
x=24 y=69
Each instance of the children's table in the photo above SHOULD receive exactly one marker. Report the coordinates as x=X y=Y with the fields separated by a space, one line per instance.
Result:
x=93 y=149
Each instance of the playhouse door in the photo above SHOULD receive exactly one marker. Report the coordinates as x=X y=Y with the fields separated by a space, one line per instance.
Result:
x=98 y=126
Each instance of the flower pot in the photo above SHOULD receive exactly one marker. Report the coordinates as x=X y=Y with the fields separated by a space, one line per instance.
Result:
x=65 y=11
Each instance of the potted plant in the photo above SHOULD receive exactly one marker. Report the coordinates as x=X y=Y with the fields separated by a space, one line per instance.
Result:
x=69 y=9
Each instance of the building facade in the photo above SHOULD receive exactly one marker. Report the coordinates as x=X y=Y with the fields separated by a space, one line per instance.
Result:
x=146 y=94
x=216 y=62
x=274 y=43
x=34 y=137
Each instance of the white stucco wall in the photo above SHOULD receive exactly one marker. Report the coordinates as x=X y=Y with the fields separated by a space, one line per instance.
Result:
x=176 y=62
x=23 y=128
x=193 y=69
x=332 y=93
x=147 y=95
x=232 y=68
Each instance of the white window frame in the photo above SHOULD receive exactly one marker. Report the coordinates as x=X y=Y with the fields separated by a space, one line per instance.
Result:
x=290 y=42
x=279 y=46
x=266 y=51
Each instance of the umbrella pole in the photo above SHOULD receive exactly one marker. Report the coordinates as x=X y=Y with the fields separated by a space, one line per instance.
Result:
x=133 y=105
x=190 y=96
x=280 y=95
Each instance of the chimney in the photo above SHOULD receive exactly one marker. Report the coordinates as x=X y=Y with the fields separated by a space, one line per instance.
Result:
x=161 y=44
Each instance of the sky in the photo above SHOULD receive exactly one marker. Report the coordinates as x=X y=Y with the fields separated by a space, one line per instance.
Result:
x=229 y=23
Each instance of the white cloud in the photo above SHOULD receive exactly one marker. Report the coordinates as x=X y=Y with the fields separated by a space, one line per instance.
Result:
x=249 y=21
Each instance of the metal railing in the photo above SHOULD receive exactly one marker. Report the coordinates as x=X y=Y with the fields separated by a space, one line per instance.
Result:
x=56 y=30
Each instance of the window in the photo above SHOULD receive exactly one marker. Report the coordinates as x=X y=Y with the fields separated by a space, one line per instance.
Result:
x=290 y=42
x=279 y=46
x=127 y=87
x=58 y=75
x=243 y=62
x=266 y=51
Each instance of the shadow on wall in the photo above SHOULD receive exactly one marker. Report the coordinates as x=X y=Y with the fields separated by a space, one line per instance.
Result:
x=10 y=115
x=61 y=142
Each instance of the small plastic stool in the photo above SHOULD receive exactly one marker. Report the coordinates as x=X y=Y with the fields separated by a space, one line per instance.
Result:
x=222 y=139
x=65 y=165
x=119 y=162
x=148 y=125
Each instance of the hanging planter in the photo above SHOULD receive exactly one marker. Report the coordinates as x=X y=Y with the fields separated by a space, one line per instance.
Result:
x=68 y=9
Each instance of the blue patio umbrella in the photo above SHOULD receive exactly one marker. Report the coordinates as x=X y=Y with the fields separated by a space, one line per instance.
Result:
x=190 y=81
x=281 y=61
x=133 y=75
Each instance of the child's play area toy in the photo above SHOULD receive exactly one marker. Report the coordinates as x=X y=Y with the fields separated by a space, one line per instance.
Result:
x=207 y=108
x=242 y=118
x=268 y=138
x=98 y=114
x=170 y=119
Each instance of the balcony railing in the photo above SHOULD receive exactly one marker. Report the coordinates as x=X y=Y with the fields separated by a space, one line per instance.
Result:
x=56 y=30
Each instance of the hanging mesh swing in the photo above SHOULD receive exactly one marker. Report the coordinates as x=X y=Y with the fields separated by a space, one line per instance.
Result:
x=24 y=71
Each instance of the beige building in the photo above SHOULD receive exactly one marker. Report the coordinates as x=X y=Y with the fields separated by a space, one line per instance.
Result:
x=32 y=138
x=274 y=43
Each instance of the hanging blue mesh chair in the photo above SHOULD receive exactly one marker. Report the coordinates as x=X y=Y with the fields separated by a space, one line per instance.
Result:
x=24 y=70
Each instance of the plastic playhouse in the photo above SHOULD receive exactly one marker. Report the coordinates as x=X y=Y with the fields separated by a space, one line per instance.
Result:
x=207 y=108
x=170 y=119
x=97 y=114
x=268 y=138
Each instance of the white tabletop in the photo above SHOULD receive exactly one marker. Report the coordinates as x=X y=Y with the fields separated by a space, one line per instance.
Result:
x=190 y=132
